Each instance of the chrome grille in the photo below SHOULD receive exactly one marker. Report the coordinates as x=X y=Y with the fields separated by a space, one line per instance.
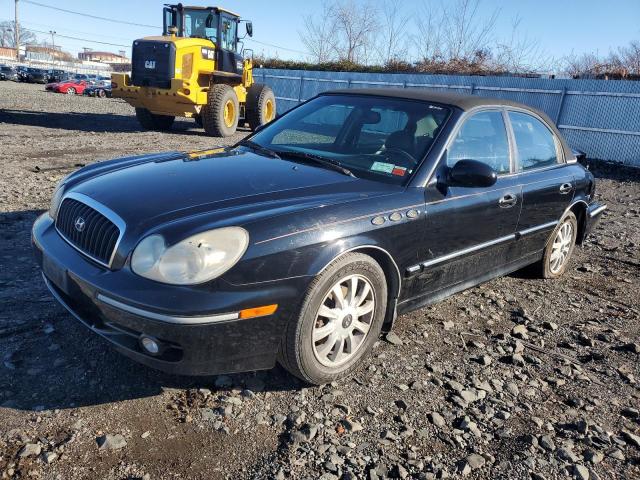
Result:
x=88 y=230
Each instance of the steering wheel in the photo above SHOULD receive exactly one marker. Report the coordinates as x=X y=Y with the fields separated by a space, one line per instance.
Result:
x=403 y=153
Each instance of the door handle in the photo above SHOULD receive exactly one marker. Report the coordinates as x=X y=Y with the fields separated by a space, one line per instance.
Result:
x=508 y=200
x=565 y=188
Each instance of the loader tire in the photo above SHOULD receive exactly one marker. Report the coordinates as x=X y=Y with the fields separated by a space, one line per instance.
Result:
x=151 y=121
x=220 y=114
x=261 y=105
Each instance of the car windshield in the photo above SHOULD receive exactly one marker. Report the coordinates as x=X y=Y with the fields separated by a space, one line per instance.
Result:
x=379 y=138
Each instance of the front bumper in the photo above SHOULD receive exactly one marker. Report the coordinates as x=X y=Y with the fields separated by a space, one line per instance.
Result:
x=183 y=99
x=195 y=326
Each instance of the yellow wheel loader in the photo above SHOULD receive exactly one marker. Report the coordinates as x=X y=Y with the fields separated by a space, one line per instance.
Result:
x=196 y=70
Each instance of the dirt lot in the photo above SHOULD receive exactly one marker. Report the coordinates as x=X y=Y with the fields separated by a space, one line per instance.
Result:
x=457 y=391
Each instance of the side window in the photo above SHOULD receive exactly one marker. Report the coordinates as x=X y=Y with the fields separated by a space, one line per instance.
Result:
x=229 y=34
x=483 y=137
x=535 y=142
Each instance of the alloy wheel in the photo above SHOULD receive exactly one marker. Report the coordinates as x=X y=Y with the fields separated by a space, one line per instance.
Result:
x=343 y=320
x=561 y=247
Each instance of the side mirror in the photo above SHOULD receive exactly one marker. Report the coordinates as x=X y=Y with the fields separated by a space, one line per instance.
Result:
x=471 y=173
x=249 y=27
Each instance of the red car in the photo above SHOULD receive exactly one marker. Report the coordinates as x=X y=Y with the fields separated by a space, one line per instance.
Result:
x=71 y=87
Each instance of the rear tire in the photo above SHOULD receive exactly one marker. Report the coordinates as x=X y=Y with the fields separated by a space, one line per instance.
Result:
x=261 y=105
x=318 y=348
x=151 y=121
x=220 y=114
x=559 y=248
x=71 y=91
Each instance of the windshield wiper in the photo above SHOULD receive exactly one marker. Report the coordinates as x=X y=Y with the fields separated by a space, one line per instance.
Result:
x=318 y=159
x=258 y=148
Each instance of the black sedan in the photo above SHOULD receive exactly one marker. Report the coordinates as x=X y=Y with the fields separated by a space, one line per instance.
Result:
x=303 y=242
x=100 y=90
x=34 y=75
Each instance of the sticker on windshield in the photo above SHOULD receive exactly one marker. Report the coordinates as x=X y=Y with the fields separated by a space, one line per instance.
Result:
x=382 y=167
x=400 y=171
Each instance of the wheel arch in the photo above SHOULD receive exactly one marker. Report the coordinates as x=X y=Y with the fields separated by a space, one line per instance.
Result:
x=391 y=273
x=579 y=209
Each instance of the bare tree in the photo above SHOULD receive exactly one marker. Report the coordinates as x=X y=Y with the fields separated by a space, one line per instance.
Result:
x=393 y=44
x=355 y=26
x=454 y=32
x=519 y=54
x=627 y=59
x=464 y=32
x=8 y=36
x=586 y=64
x=428 y=39
x=319 y=34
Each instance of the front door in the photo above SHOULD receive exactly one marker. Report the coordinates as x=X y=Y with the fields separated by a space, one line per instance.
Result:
x=470 y=232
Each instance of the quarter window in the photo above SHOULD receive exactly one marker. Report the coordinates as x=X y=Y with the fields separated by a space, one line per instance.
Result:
x=535 y=142
x=483 y=137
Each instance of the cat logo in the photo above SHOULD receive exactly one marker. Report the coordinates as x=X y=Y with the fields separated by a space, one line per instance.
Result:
x=150 y=64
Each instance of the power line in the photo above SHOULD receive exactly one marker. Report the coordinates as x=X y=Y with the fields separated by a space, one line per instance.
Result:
x=81 y=39
x=276 y=46
x=88 y=15
x=70 y=30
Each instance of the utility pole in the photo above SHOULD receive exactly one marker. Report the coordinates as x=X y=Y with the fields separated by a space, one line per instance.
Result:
x=53 y=40
x=16 y=29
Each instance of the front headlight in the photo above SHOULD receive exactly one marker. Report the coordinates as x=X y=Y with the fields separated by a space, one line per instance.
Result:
x=197 y=259
x=57 y=198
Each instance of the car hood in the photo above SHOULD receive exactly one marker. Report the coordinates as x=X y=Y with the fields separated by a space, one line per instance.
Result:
x=236 y=185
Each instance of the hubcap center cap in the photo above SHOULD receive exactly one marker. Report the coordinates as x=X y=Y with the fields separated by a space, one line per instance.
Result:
x=346 y=321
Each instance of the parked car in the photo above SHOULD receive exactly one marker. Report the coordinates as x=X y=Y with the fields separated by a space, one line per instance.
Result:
x=306 y=240
x=34 y=75
x=70 y=87
x=101 y=89
x=54 y=76
x=21 y=72
x=7 y=72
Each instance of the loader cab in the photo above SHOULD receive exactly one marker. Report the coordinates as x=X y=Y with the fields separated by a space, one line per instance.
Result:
x=211 y=23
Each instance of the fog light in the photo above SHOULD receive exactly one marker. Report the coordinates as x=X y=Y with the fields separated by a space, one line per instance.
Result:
x=150 y=345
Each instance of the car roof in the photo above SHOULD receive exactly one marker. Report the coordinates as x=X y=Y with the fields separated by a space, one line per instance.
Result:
x=464 y=102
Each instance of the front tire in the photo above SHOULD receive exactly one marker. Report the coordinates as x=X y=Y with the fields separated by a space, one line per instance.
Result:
x=261 y=105
x=71 y=91
x=340 y=319
x=559 y=248
x=220 y=114
x=151 y=121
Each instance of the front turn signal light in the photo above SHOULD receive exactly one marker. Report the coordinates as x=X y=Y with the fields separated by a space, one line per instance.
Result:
x=258 y=311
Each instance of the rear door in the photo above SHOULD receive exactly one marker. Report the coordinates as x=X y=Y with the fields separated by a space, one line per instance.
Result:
x=470 y=232
x=547 y=187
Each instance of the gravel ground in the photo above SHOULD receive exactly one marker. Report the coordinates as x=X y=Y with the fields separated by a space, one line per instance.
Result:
x=516 y=379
